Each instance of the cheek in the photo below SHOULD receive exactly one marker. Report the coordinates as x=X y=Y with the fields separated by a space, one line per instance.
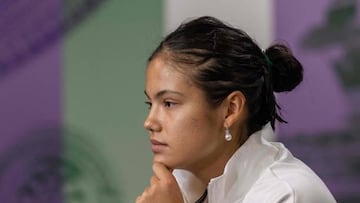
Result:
x=183 y=129
x=197 y=130
x=193 y=134
x=193 y=124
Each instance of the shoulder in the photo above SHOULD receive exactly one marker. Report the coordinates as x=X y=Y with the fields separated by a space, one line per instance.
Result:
x=289 y=182
x=269 y=188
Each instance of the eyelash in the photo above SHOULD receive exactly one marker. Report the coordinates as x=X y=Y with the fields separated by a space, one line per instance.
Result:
x=149 y=104
x=166 y=104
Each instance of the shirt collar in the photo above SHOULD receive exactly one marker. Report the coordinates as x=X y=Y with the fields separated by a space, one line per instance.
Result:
x=240 y=173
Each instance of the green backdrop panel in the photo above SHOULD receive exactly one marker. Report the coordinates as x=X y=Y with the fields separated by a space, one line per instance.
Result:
x=105 y=59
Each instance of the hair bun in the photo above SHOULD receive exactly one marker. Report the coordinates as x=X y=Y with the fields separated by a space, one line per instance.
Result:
x=287 y=71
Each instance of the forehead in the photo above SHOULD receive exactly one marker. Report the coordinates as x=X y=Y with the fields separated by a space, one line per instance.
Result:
x=162 y=75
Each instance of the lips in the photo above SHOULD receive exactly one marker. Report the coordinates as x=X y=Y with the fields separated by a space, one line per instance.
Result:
x=157 y=146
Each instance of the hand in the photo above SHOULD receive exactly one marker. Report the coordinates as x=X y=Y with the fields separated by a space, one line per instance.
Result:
x=163 y=187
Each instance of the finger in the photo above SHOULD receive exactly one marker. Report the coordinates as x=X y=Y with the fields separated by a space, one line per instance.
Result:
x=138 y=199
x=153 y=180
x=161 y=171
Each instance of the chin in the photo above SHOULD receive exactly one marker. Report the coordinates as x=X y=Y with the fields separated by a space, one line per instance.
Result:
x=166 y=162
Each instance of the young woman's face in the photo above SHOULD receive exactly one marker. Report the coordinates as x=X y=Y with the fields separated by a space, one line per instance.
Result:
x=185 y=132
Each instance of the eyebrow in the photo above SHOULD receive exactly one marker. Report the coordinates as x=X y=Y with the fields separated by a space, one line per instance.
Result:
x=163 y=92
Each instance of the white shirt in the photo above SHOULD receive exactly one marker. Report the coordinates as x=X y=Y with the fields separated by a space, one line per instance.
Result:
x=259 y=172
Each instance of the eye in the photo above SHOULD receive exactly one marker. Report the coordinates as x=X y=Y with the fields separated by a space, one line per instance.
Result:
x=149 y=104
x=169 y=104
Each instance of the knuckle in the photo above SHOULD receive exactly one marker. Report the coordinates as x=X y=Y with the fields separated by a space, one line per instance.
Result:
x=167 y=182
x=146 y=191
x=139 y=199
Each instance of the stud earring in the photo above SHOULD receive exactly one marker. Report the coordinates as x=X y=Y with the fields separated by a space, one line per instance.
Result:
x=228 y=135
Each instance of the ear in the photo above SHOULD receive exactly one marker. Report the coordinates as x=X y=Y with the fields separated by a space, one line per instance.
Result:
x=235 y=104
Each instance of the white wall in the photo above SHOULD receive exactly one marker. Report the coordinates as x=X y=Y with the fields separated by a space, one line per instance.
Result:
x=253 y=16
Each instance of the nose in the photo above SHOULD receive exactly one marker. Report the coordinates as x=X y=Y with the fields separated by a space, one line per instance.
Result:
x=151 y=122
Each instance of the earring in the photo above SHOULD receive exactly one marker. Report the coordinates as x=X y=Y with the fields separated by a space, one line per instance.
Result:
x=228 y=135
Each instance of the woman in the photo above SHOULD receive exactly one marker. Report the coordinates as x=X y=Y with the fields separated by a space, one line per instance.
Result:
x=210 y=91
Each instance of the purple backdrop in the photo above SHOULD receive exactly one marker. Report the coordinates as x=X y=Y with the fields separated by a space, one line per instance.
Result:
x=320 y=103
x=324 y=111
x=30 y=101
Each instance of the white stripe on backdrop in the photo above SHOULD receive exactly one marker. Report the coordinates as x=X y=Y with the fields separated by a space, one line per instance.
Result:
x=253 y=16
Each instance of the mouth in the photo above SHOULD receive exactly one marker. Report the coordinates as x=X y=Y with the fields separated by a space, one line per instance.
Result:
x=157 y=146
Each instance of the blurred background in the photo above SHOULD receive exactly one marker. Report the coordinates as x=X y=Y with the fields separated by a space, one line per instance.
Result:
x=72 y=82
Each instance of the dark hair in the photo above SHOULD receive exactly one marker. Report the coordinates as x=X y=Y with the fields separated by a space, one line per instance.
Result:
x=221 y=59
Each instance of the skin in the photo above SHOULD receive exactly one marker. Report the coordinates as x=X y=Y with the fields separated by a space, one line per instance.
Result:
x=185 y=131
